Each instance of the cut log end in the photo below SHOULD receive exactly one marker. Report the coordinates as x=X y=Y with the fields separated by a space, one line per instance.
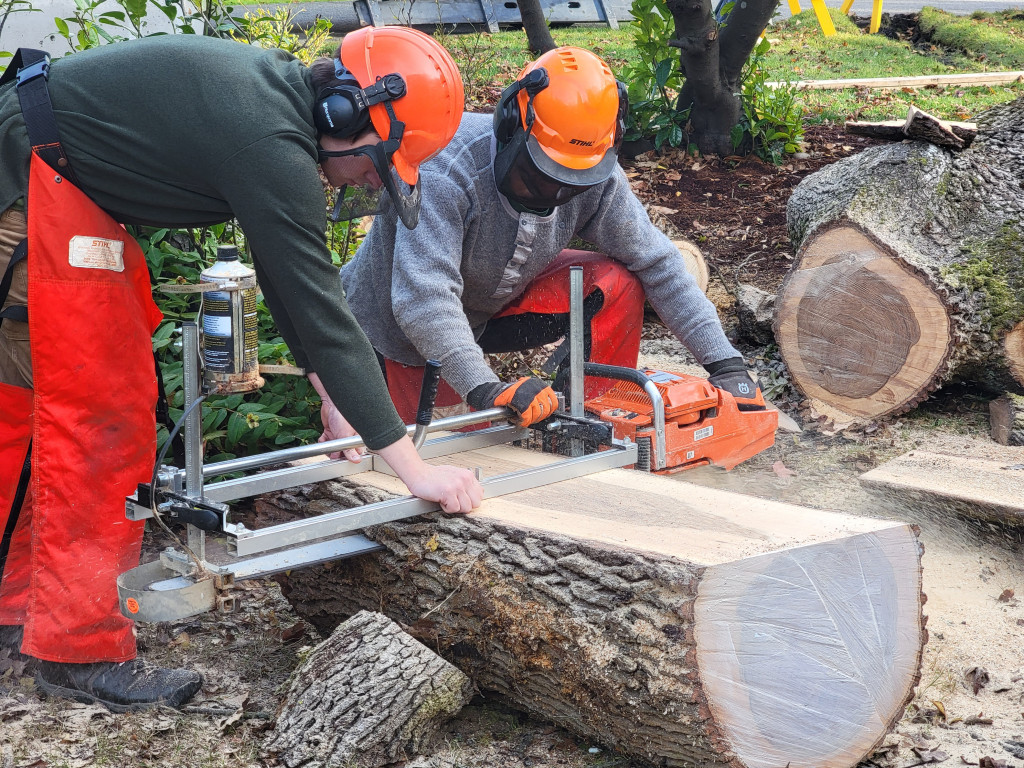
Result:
x=846 y=626
x=863 y=333
x=696 y=263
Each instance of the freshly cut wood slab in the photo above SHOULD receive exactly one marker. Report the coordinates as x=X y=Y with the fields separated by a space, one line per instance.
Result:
x=678 y=624
x=982 y=488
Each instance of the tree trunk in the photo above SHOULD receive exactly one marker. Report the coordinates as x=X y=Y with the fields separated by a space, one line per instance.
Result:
x=367 y=696
x=679 y=625
x=907 y=273
x=538 y=35
x=1006 y=418
x=712 y=58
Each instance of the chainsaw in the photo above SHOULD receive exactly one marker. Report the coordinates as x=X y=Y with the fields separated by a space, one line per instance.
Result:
x=651 y=420
x=696 y=425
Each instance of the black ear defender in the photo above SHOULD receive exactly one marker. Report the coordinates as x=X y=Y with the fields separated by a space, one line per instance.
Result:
x=507 y=118
x=620 y=120
x=343 y=108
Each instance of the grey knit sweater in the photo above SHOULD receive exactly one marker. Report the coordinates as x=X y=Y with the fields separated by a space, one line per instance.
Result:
x=429 y=292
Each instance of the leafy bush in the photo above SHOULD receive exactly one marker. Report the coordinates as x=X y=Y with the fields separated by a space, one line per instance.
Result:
x=772 y=124
x=772 y=118
x=655 y=81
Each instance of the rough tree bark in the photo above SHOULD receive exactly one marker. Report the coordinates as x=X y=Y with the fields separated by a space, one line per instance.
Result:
x=907 y=272
x=679 y=625
x=538 y=36
x=712 y=56
x=368 y=696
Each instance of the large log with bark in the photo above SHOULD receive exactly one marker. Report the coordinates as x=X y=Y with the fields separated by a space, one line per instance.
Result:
x=907 y=273
x=677 y=624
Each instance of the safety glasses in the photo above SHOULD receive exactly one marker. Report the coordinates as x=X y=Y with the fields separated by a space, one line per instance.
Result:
x=405 y=198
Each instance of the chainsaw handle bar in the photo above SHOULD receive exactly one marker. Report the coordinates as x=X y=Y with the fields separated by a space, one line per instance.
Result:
x=643 y=381
x=428 y=394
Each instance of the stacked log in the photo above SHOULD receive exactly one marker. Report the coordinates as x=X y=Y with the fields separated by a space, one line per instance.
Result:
x=907 y=273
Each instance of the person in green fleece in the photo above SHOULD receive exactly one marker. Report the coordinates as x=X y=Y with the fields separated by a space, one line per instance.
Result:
x=187 y=131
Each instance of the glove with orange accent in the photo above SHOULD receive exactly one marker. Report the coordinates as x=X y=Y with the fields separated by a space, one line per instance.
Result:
x=532 y=399
x=734 y=377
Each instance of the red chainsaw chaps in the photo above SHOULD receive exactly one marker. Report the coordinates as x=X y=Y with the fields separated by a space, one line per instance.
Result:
x=615 y=329
x=91 y=319
x=15 y=438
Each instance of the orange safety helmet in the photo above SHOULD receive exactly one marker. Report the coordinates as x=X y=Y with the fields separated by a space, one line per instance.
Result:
x=407 y=85
x=434 y=100
x=560 y=123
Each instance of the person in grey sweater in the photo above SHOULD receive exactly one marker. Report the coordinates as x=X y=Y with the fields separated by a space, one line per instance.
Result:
x=486 y=269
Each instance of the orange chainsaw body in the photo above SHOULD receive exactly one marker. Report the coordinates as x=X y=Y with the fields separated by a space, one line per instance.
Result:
x=702 y=423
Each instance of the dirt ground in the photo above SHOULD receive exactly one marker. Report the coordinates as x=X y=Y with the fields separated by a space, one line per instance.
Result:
x=969 y=708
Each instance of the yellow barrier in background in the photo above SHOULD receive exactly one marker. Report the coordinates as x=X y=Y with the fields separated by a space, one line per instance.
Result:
x=821 y=11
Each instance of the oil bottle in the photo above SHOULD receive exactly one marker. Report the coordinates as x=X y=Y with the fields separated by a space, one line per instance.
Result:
x=230 y=341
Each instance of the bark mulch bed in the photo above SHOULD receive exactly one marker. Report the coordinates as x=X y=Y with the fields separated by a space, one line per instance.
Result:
x=733 y=208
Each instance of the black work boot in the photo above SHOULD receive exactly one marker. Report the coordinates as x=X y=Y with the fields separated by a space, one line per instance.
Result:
x=127 y=686
x=10 y=651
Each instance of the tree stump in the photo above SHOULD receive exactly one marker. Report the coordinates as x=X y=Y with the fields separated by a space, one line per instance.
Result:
x=677 y=624
x=907 y=273
x=1006 y=417
x=367 y=696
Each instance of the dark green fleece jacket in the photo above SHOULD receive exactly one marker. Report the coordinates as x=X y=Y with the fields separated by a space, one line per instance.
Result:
x=182 y=130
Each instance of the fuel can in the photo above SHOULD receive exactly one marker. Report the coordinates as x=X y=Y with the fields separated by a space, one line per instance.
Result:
x=230 y=341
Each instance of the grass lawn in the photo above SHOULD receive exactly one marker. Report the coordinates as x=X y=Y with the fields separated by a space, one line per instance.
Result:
x=983 y=42
x=986 y=42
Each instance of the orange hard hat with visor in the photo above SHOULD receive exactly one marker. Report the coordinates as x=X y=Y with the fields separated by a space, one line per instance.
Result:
x=558 y=128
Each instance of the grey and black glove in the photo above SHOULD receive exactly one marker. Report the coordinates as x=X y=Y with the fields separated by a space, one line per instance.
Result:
x=733 y=376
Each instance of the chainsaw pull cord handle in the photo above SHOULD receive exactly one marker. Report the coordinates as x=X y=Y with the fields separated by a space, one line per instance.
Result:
x=428 y=394
x=643 y=381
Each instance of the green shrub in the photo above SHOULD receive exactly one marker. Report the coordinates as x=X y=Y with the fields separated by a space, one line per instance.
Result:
x=772 y=117
x=655 y=79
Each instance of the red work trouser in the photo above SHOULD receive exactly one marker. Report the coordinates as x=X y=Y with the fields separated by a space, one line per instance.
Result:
x=615 y=327
x=90 y=421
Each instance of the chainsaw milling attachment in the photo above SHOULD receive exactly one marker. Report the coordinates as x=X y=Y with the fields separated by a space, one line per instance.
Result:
x=653 y=420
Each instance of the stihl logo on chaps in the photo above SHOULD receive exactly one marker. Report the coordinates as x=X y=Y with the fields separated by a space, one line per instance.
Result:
x=96 y=253
x=581 y=143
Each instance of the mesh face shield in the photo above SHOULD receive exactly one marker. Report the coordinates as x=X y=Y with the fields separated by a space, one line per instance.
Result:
x=533 y=180
x=354 y=203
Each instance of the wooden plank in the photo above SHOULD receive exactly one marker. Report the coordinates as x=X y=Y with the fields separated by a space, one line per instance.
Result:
x=627 y=508
x=918 y=81
x=980 y=488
